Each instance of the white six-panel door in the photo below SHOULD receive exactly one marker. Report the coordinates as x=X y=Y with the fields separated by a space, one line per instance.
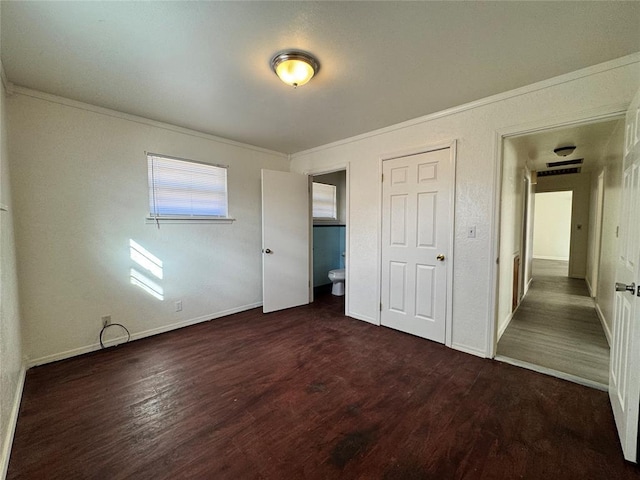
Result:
x=416 y=223
x=624 y=369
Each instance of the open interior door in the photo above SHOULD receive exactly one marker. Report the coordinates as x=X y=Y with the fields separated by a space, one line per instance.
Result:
x=285 y=240
x=624 y=379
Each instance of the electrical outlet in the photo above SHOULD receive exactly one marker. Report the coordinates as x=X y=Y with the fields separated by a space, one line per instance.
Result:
x=179 y=306
x=106 y=320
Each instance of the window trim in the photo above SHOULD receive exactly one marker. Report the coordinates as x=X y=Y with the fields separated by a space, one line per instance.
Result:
x=157 y=219
x=336 y=217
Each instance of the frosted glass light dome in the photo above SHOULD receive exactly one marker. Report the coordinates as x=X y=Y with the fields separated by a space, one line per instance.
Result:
x=294 y=68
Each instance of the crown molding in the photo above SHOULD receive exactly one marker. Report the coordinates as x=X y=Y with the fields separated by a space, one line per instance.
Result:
x=534 y=87
x=48 y=97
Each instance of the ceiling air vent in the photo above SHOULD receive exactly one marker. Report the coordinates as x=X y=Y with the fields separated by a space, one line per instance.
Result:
x=564 y=163
x=560 y=171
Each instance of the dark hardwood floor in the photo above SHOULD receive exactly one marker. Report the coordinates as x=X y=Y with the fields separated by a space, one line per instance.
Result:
x=306 y=393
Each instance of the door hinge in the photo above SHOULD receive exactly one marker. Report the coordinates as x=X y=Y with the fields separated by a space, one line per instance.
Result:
x=380 y=306
x=382 y=177
x=498 y=261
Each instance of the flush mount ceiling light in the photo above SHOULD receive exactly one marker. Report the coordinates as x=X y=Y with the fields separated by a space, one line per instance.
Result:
x=564 y=151
x=294 y=68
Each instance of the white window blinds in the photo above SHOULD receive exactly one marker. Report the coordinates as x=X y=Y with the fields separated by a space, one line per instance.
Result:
x=324 y=201
x=185 y=189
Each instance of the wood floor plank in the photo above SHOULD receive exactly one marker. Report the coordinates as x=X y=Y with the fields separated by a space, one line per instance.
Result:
x=557 y=327
x=306 y=393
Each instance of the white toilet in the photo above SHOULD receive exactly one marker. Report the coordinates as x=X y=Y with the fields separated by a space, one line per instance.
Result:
x=337 y=277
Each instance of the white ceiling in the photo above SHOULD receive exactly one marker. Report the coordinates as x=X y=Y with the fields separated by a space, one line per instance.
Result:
x=590 y=141
x=205 y=65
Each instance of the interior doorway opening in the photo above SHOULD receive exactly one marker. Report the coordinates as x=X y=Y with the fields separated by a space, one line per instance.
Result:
x=329 y=235
x=552 y=229
x=553 y=243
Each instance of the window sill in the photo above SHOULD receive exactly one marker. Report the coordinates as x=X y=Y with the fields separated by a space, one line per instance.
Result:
x=154 y=220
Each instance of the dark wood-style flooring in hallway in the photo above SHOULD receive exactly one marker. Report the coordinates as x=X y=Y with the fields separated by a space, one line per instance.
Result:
x=306 y=394
x=556 y=327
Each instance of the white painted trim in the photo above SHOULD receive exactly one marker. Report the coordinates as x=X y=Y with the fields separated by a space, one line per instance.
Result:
x=605 y=326
x=452 y=146
x=448 y=332
x=27 y=92
x=494 y=266
x=363 y=318
x=552 y=82
x=512 y=314
x=346 y=166
x=527 y=287
x=136 y=336
x=466 y=349
x=586 y=280
x=545 y=257
x=7 y=441
x=502 y=329
x=553 y=373
x=584 y=117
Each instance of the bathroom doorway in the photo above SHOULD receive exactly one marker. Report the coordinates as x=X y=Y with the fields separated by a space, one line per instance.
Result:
x=329 y=236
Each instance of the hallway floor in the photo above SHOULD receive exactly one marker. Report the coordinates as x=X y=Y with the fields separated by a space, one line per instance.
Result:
x=557 y=328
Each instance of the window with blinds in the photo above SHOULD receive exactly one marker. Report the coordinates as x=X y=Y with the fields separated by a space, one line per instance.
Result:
x=324 y=202
x=184 y=189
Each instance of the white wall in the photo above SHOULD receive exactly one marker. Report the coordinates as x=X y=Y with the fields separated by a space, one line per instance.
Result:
x=11 y=364
x=476 y=130
x=611 y=164
x=80 y=191
x=552 y=225
x=580 y=185
x=511 y=209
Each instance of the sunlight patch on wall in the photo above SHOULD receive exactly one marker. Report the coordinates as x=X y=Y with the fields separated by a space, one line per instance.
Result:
x=145 y=259
x=152 y=264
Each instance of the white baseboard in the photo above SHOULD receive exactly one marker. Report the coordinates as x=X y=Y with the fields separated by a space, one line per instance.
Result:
x=605 y=326
x=505 y=325
x=471 y=350
x=7 y=441
x=364 y=318
x=136 y=336
x=544 y=257
x=586 y=280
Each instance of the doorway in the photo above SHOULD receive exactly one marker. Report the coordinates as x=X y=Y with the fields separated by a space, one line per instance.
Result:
x=549 y=224
x=552 y=230
x=329 y=235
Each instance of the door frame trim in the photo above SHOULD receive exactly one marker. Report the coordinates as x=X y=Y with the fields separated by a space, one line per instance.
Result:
x=550 y=123
x=337 y=167
x=452 y=146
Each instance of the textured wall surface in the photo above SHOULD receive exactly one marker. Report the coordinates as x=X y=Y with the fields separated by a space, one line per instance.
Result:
x=80 y=190
x=476 y=131
x=552 y=225
x=11 y=367
x=580 y=185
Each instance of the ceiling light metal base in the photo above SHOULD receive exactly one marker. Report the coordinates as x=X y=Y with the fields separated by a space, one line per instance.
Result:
x=295 y=67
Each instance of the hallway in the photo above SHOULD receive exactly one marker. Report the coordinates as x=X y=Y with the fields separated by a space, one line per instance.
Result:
x=556 y=329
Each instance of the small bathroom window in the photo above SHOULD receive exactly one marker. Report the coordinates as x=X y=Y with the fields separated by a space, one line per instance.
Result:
x=325 y=206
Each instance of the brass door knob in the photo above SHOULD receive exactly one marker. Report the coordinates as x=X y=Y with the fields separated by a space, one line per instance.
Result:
x=440 y=257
